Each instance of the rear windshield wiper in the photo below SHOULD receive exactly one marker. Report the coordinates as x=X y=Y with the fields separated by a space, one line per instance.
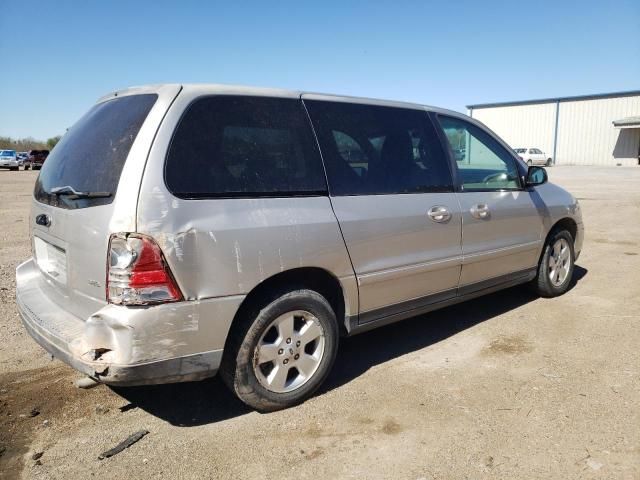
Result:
x=74 y=194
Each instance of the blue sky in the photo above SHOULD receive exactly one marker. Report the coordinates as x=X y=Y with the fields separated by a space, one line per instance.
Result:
x=445 y=53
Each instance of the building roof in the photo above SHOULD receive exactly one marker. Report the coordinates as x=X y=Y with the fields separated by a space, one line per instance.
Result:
x=627 y=122
x=596 y=96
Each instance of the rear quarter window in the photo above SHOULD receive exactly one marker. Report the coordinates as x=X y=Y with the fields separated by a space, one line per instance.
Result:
x=233 y=146
x=91 y=155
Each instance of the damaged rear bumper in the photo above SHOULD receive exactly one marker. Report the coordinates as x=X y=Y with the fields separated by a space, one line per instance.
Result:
x=192 y=367
x=127 y=346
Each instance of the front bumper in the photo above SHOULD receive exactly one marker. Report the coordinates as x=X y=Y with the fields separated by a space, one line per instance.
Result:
x=127 y=346
x=577 y=245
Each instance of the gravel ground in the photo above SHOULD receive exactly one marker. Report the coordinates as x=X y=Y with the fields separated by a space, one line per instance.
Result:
x=506 y=386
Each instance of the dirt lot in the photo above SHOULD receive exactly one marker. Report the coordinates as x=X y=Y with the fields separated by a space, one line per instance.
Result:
x=507 y=386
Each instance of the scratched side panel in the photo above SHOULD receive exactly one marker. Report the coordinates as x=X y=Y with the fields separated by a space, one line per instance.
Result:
x=226 y=247
x=222 y=247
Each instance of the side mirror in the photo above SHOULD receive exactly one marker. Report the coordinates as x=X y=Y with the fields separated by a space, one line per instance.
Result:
x=536 y=176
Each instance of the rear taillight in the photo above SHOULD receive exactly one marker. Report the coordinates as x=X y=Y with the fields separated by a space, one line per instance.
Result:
x=138 y=273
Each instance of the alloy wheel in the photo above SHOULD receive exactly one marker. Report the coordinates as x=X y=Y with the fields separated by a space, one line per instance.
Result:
x=289 y=351
x=559 y=262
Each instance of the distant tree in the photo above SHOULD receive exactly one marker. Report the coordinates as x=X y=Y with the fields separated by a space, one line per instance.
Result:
x=51 y=142
x=26 y=144
x=21 y=144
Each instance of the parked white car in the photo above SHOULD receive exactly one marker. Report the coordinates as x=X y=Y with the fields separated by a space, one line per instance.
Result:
x=534 y=156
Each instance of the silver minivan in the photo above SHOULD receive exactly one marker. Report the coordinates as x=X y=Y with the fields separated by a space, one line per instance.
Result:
x=183 y=230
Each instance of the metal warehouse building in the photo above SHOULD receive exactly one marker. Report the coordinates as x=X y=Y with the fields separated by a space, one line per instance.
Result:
x=599 y=129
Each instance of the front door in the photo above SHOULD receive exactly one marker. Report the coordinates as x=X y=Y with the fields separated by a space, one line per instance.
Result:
x=502 y=229
x=392 y=192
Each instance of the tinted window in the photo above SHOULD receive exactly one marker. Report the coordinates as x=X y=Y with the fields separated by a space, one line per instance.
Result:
x=483 y=163
x=244 y=146
x=350 y=151
x=378 y=150
x=90 y=156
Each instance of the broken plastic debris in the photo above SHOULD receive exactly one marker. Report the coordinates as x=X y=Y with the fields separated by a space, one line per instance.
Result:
x=126 y=443
x=86 y=382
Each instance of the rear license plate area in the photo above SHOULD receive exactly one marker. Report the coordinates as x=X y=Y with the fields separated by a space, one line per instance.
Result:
x=52 y=260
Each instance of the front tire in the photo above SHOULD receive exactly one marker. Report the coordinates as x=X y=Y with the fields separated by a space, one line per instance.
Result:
x=529 y=162
x=548 y=164
x=281 y=350
x=556 y=265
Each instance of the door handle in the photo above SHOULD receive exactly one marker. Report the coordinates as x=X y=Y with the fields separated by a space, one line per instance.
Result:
x=439 y=214
x=481 y=211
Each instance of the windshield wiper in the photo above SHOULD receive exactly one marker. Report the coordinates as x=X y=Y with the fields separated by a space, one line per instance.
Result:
x=73 y=194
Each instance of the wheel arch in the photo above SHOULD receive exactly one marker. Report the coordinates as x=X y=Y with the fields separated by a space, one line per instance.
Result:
x=312 y=278
x=565 y=223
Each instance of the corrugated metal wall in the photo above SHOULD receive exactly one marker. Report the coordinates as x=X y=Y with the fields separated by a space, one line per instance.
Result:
x=526 y=126
x=586 y=135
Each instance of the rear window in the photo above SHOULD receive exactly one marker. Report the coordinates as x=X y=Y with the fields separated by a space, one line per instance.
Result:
x=231 y=146
x=91 y=155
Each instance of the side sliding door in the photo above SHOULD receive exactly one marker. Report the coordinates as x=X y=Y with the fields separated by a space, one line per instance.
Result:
x=391 y=189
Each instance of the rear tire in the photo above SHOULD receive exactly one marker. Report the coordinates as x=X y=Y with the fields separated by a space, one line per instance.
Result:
x=14 y=169
x=269 y=349
x=529 y=162
x=548 y=162
x=556 y=265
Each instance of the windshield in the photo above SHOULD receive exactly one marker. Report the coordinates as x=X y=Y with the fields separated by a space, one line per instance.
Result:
x=91 y=155
x=7 y=153
x=520 y=150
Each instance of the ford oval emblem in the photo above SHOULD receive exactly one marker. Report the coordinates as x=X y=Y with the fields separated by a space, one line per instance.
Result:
x=43 y=219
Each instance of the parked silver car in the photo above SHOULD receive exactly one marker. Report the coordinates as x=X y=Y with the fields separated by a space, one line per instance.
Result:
x=9 y=159
x=22 y=158
x=181 y=231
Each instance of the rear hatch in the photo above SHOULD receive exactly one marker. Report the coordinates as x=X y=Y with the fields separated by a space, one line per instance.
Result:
x=88 y=189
